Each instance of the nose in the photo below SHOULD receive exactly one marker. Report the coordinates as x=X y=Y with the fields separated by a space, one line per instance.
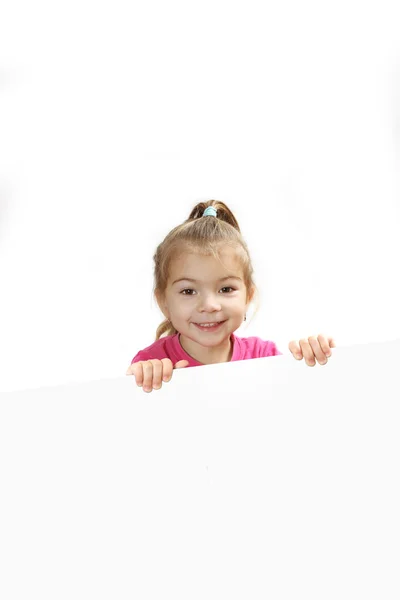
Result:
x=209 y=304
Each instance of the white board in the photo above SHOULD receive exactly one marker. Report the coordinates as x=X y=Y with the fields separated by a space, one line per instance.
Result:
x=255 y=479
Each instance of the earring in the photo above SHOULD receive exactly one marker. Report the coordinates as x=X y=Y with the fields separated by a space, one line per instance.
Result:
x=245 y=317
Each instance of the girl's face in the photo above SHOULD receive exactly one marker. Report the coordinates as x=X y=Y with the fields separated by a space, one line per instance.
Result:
x=202 y=290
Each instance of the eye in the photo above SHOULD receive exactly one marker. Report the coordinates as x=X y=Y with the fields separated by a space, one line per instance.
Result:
x=190 y=290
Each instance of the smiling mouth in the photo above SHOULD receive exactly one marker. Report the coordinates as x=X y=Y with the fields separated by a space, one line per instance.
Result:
x=210 y=326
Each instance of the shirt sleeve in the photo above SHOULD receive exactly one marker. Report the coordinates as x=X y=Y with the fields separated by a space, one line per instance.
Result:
x=142 y=355
x=269 y=349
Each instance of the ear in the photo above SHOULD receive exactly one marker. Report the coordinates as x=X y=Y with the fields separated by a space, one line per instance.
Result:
x=161 y=304
x=251 y=295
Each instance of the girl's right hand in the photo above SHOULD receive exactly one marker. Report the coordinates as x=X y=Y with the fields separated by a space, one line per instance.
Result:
x=149 y=373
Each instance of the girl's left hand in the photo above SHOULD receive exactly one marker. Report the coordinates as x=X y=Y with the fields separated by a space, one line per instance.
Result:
x=313 y=348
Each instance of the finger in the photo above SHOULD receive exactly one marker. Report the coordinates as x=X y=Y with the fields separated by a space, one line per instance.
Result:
x=307 y=352
x=181 y=364
x=147 y=367
x=326 y=344
x=167 y=369
x=317 y=350
x=137 y=370
x=295 y=349
x=157 y=374
x=152 y=370
x=129 y=370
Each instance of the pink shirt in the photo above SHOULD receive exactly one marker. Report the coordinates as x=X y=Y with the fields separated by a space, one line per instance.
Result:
x=170 y=347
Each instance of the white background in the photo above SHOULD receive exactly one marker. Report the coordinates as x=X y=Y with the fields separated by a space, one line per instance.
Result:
x=117 y=118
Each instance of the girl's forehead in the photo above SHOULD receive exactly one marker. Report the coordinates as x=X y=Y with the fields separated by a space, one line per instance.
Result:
x=197 y=271
x=198 y=261
x=207 y=274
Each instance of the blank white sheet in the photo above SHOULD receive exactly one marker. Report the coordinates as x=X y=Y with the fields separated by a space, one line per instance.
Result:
x=255 y=479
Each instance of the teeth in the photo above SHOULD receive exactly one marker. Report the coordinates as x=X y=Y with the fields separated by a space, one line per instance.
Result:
x=211 y=325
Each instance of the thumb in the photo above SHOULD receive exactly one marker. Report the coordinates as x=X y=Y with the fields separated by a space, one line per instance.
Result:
x=181 y=364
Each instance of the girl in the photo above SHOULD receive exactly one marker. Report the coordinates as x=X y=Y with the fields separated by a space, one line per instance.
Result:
x=208 y=253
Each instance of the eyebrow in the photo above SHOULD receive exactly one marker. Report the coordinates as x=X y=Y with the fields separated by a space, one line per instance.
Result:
x=195 y=280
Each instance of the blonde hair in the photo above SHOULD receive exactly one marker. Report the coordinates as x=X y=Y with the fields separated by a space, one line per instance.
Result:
x=204 y=236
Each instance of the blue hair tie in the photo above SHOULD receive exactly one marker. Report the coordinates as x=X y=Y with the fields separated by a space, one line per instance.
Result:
x=210 y=212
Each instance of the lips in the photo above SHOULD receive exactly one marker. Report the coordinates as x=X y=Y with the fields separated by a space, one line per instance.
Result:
x=209 y=328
